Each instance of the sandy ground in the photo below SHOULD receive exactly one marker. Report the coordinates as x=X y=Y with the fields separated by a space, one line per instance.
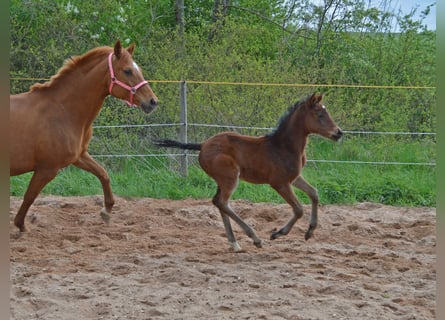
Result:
x=161 y=259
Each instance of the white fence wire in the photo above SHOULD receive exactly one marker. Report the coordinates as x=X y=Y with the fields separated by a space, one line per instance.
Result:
x=234 y=127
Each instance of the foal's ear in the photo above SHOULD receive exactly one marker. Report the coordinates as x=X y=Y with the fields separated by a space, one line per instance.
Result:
x=316 y=98
x=130 y=48
x=118 y=49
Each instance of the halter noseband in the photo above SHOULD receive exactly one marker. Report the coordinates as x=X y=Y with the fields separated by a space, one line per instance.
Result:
x=123 y=85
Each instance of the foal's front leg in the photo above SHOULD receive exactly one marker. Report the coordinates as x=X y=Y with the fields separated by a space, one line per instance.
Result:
x=87 y=163
x=285 y=190
x=303 y=185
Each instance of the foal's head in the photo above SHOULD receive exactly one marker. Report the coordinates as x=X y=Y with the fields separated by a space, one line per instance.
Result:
x=318 y=119
x=129 y=83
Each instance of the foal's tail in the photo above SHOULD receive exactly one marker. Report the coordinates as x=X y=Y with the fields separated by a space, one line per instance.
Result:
x=176 y=144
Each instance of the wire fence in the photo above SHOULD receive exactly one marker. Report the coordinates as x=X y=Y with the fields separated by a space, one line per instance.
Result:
x=234 y=127
x=183 y=125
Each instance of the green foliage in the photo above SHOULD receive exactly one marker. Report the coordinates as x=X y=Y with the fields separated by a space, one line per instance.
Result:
x=247 y=47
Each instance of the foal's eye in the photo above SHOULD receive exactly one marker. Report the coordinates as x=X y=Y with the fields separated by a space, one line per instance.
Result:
x=128 y=72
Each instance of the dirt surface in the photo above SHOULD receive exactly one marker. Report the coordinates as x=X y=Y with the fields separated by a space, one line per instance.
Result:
x=161 y=259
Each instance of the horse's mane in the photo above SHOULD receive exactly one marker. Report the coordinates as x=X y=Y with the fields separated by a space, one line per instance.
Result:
x=72 y=63
x=284 y=119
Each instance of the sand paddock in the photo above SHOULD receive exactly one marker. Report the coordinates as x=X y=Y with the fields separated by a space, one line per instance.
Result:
x=163 y=259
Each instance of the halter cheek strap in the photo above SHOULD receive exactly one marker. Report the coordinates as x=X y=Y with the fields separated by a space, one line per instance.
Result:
x=121 y=84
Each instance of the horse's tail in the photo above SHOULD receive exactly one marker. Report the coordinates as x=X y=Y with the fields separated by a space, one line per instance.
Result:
x=177 y=144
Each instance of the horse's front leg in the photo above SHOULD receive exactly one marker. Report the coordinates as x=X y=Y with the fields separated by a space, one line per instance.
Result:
x=312 y=193
x=285 y=191
x=87 y=163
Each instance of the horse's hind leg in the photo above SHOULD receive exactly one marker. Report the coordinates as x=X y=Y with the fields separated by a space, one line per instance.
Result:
x=227 y=225
x=229 y=233
x=221 y=201
x=87 y=163
x=225 y=171
x=39 y=180
x=303 y=185
x=287 y=193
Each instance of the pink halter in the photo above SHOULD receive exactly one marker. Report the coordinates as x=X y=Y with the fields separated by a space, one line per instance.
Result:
x=123 y=85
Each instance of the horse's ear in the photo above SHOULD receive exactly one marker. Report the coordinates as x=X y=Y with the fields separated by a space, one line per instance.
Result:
x=118 y=49
x=130 y=48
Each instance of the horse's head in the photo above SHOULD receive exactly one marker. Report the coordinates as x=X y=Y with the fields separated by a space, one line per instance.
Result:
x=127 y=81
x=319 y=120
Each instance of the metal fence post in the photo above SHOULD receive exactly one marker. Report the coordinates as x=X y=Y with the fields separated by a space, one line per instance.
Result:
x=184 y=125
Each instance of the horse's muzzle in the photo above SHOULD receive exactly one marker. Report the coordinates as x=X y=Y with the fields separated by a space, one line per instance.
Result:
x=150 y=106
x=337 y=134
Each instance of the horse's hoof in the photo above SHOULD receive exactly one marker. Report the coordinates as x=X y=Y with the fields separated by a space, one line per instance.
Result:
x=20 y=226
x=258 y=244
x=236 y=247
x=309 y=232
x=105 y=216
x=275 y=235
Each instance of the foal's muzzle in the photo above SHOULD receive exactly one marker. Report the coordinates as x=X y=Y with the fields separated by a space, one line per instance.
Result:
x=337 y=134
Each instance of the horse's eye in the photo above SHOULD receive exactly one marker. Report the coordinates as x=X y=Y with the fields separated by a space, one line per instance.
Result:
x=128 y=72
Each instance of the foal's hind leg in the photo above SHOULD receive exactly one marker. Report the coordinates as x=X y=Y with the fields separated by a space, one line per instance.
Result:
x=221 y=201
x=288 y=194
x=303 y=185
x=227 y=225
x=38 y=181
x=87 y=163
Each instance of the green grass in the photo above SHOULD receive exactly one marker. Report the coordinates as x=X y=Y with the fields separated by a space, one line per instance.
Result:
x=337 y=183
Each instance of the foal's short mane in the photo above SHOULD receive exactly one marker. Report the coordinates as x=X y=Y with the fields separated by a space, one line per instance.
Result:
x=71 y=64
x=284 y=119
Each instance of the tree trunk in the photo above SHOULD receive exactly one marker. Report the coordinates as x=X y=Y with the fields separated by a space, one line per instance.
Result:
x=220 y=11
x=180 y=21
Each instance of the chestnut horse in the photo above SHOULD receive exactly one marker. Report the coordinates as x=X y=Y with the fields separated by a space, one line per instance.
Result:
x=51 y=125
x=275 y=159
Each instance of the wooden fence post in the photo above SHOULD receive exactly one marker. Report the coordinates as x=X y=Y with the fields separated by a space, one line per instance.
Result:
x=184 y=125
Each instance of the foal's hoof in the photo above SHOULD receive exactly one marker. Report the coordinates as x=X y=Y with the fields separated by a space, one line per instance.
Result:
x=309 y=233
x=276 y=234
x=258 y=244
x=105 y=215
x=236 y=247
